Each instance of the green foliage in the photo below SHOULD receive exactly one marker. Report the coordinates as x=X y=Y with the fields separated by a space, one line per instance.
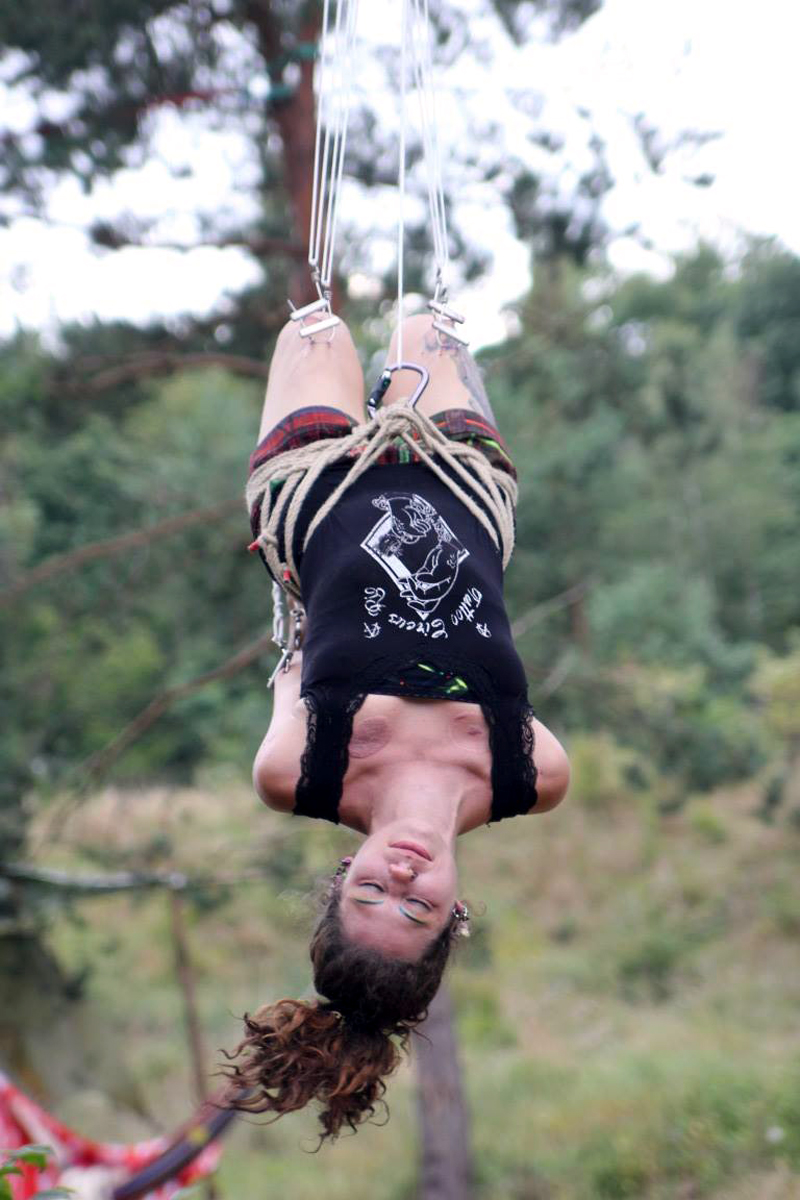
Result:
x=777 y=685
x=649 y=962
x=657 y=474
x=782 y=905
x=33 y=1156
x=707 y=823
x=639 y=1129
x=787 y=1122
x=480 y=1018
x=604 y=773
x=87 y=651
x=768 y=322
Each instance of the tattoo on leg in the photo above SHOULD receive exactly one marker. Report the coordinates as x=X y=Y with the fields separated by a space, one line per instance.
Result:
x=468 y=373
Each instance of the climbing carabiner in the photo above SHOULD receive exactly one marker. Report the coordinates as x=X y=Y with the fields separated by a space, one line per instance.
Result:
x=382 y=386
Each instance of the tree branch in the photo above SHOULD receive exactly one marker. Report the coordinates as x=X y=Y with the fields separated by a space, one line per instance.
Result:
x=109 y=883
x=165 y=362
x=99 y=763
x=554 y=604
x=112 y=237
x=60 y=564
x=107 y=235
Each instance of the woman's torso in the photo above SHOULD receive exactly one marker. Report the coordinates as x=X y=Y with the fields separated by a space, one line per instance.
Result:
x=448 y=741
x=400 y=571
x=403 y=592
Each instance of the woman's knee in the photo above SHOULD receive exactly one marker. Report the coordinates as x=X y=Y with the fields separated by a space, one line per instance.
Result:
x=309 y=371
x=329 y=358
x=290 y=341
x=419 y=337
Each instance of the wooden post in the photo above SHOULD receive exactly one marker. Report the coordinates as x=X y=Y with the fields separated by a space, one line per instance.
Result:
x=446 y=1171
x=183 y=967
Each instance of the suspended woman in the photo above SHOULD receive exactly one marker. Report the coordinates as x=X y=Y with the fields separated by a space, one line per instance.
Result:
x=405 y=716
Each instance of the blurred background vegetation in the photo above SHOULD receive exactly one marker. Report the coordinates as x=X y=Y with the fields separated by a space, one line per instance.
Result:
x=627 y=1006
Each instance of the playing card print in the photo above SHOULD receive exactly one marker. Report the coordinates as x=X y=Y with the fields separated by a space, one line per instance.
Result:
x=416 y=548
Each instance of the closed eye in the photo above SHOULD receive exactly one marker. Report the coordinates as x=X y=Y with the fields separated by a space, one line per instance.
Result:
x=374 y=890
x=417 y=917
x=413 y=907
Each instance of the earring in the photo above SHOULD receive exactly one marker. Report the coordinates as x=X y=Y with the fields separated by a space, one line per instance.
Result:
x=342 y=868
x=461 y=915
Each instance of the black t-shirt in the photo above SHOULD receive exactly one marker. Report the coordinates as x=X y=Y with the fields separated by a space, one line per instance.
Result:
x=401 y=574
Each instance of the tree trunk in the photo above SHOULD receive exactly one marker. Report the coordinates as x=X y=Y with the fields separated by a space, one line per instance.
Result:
x=186 y=980
x=446 y=1166
x=295 y=118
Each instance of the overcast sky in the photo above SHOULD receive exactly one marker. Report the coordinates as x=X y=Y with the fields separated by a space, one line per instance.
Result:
x=713 y=65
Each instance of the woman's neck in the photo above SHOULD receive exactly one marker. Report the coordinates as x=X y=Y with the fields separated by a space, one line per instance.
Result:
x=420 y=792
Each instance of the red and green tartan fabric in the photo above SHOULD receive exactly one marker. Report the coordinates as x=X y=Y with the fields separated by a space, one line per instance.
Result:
x=311 y=424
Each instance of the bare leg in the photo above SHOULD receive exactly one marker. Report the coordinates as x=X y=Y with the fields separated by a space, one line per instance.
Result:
x=455 y=380
x=304 y=373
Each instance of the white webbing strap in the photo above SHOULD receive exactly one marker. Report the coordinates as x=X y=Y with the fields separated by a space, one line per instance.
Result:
x=415 y=46
x=401 y=177
x=334 y=92
x=335 y=77
x=423 y=74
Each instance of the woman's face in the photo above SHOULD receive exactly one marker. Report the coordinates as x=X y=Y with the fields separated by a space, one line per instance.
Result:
x=399 y=891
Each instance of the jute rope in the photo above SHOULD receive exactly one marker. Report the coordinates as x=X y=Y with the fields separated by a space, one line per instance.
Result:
x=488 y=492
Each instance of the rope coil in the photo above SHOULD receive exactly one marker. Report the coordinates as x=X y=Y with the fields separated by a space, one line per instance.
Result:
x=488 y=492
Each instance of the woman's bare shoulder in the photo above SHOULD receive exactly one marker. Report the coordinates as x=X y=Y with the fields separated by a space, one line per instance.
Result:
x=552 y=768
x=276 y=767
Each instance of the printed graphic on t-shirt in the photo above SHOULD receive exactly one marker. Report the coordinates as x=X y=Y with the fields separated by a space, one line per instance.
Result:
x=416 y=548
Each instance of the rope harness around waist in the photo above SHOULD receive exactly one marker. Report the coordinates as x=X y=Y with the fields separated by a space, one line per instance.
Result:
x=488 y=492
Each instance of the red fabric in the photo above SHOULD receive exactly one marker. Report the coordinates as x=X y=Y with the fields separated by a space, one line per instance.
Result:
x=23 y=1122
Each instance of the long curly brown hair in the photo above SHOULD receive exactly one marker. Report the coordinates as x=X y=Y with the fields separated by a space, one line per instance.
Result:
x=336 y=1050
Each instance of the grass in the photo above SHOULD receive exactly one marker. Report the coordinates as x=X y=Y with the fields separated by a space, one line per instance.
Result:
x=627 y=1007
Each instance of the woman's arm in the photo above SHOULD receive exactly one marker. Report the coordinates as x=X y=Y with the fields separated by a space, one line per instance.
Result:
x=552 y=766
x=286 y=691
x=277 y=763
